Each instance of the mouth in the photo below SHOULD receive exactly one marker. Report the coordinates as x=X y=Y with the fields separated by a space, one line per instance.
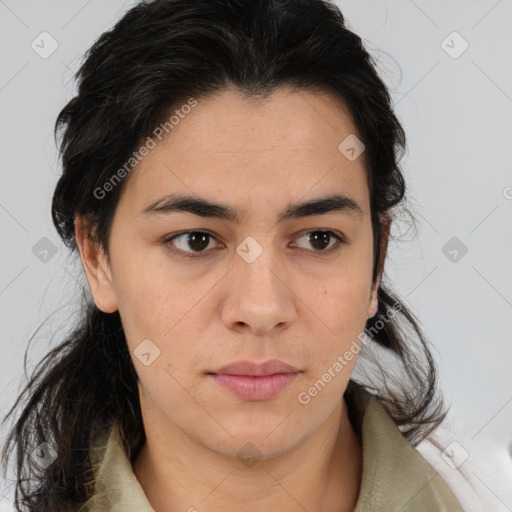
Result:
x=252 y=381
x=255 y=369
x=255 y=388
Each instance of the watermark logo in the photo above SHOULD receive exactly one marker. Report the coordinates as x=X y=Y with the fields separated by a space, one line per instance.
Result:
x=454 y=455
x=44 y=45
x=454 y=45
x=44 y=455
x=249 y=454
x=454 y=249
x=146 y=352
x=44 y=250
x=351 y=147
x=249 y=249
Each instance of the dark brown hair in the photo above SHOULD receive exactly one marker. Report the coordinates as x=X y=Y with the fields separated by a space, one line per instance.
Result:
x=157 y=56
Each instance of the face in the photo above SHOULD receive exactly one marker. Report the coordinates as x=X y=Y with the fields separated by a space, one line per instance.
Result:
x=268 y=282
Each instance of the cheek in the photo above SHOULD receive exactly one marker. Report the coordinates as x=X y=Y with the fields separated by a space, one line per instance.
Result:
x=344 y=297
x=341 y=308
x=156 y=306
x=146 y=296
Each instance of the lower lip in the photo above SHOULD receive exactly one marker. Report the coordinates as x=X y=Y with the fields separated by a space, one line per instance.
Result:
x=255 y=388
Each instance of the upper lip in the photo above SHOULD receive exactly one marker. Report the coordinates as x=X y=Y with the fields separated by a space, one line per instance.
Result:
x=257 y=369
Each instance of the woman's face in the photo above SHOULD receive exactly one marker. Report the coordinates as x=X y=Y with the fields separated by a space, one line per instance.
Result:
x=263 y=286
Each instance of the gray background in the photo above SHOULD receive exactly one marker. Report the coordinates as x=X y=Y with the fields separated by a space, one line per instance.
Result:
x=457 y=114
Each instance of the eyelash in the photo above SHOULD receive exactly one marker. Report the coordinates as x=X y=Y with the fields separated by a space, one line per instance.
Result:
x=340 y=241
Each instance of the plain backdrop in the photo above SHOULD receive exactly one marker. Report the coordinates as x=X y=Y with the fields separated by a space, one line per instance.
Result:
x=448 y=67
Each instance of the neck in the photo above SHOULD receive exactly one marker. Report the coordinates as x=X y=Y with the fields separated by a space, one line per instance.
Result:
x=323 y=474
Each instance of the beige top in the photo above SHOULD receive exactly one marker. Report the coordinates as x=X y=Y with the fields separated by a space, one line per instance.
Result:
x=395 y=476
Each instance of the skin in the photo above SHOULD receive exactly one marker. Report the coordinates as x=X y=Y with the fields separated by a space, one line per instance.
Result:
x=294 y=302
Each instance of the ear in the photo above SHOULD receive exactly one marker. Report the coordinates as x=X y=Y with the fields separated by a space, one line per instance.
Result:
x=96 y=268
x=374 y=303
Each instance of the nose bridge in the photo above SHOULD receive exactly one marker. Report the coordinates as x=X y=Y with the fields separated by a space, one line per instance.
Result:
x=257 y=262
x=259 y=298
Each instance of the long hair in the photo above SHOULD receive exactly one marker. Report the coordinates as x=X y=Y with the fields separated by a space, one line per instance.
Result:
x=157 y=56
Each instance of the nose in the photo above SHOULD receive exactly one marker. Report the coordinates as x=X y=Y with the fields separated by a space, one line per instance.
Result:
x=260 y=297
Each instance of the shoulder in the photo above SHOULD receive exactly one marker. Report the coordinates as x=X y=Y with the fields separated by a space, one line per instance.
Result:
x=477 y=469
x=395 y=475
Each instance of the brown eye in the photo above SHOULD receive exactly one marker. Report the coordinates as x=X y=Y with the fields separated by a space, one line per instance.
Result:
x=320 y=239
x=190 y=242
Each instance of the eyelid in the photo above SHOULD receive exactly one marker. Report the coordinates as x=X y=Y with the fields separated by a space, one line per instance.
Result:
x=338 y=236
x=341 y=239
x=168 y=239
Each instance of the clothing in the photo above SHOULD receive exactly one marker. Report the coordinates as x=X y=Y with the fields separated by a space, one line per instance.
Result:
x=478 y=469
x=395 y=476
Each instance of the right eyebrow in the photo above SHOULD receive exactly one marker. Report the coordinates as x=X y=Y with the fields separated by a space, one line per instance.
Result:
x=206 y=208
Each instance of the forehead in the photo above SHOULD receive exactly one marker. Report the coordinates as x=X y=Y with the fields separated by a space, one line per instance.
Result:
x=281 y=147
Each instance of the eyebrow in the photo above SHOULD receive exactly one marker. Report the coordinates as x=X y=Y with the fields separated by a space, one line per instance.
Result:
x=204 y=208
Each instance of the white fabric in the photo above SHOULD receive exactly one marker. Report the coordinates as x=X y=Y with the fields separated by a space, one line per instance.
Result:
x=482 y=482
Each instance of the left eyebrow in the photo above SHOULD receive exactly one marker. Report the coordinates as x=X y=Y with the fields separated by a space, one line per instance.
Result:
x=205 y=208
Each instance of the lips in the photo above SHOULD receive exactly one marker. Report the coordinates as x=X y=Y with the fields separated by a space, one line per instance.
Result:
x=255 y=382
x=249 y=368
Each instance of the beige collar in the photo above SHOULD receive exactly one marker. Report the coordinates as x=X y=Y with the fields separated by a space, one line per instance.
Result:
x=395 y=477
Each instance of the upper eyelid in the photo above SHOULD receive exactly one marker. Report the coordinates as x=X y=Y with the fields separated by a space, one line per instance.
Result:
x=327 y=230
x=340 y=237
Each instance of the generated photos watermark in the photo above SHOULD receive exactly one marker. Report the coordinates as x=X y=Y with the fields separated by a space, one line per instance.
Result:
x=343 y=360
x=144 y=149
